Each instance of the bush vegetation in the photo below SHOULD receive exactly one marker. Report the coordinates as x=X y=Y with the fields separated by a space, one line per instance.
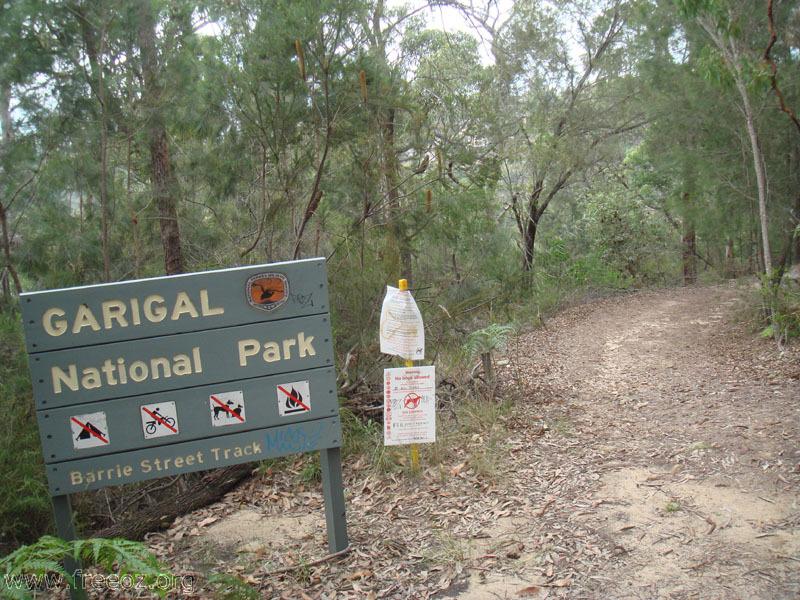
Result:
x=501 y=187
x=25 y=511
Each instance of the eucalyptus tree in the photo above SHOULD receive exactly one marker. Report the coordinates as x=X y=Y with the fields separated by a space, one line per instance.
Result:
x=450 y=131
x=25 y=59
x=389 y=106
x=291 y=88
x=699 y=139
x=566 y=94
x=429 y=111
x=165 y=190
x=738 y=35
x=97 y=99
x=670 y=168
x=89 y=38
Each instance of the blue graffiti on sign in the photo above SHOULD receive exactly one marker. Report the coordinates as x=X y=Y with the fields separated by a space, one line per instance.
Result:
x=294 y=438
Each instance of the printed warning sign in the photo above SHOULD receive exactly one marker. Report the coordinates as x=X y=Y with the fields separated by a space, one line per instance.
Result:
x=89 y=431
x=409 y=407
x=294 y=398
x=159 y=420
x=227 y=408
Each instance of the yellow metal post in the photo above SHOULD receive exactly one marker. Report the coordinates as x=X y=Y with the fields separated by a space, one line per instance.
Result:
x=403 y=285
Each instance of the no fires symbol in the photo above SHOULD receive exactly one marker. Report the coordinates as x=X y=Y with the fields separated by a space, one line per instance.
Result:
x=294 y=397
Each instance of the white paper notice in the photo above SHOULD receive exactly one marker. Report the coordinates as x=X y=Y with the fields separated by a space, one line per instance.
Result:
x=409 y=405
x=402 y=332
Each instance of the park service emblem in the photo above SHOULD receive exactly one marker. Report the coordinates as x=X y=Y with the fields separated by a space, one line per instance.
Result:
x=267 y=291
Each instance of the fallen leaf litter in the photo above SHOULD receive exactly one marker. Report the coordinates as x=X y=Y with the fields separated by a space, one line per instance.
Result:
x=655 y=455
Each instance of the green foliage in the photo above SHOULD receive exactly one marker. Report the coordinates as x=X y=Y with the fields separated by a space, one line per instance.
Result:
x=231 y=587
x=785 y=304
x=592 y=271
x=629 y=238
x=491 y=337
x=610 y=141
x=312 y=469
x=25 y=511
x=44 y=557
x=362 y=437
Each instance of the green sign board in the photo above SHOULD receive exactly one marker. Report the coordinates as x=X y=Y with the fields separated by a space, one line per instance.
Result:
x=170 y=417
x=129 y=310
x=151 y=378
x=178 y=361
x=199 y=455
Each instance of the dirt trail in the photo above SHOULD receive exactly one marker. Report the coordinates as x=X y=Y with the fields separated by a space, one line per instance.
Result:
x=679 y=450
x=656 y=454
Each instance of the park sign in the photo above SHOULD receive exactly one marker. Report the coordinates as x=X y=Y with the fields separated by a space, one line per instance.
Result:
x=155 y=377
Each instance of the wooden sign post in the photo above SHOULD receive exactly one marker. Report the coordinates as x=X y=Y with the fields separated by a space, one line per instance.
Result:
x=152 y=378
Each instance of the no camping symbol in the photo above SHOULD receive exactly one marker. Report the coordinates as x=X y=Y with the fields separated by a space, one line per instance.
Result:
x=294 y=398
x=227 y=408
x=89 y=431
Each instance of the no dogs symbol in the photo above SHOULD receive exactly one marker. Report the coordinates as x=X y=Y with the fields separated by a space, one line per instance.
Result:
x=412 y=400
x=227 y=408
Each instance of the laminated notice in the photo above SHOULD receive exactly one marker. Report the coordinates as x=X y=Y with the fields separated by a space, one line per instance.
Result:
x=409 y=405
x=401 y=331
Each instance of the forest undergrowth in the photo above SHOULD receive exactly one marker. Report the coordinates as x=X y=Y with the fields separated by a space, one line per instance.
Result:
x=458 y=348
x=661 y=396
x=460 y=328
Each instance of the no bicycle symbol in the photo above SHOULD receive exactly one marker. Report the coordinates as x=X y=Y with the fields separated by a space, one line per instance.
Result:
x=159 y=420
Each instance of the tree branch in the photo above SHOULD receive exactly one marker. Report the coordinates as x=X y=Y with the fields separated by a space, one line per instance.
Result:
x=773 y=78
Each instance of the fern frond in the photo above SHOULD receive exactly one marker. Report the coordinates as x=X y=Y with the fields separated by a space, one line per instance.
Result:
x=115 y=555
x=231 y=587
x=45 y=555
x=487 y=339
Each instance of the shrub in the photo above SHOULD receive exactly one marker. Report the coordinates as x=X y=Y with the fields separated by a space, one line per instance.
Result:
x=25 y=511
x=39 y=565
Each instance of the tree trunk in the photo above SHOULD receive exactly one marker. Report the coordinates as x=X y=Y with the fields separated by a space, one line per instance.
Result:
x=796 y=238
x=730 y=265
x=203 y=492
x=732 y=57
x=531 y=225
x=134 y=219
x=529 y=239
x=689 y=253
x=7 y=253
x=390 y=177
x=761 y=175
x=758 y=254
x=794 y=166
x=5 y=141
x=164 y=184
x=94 y=44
